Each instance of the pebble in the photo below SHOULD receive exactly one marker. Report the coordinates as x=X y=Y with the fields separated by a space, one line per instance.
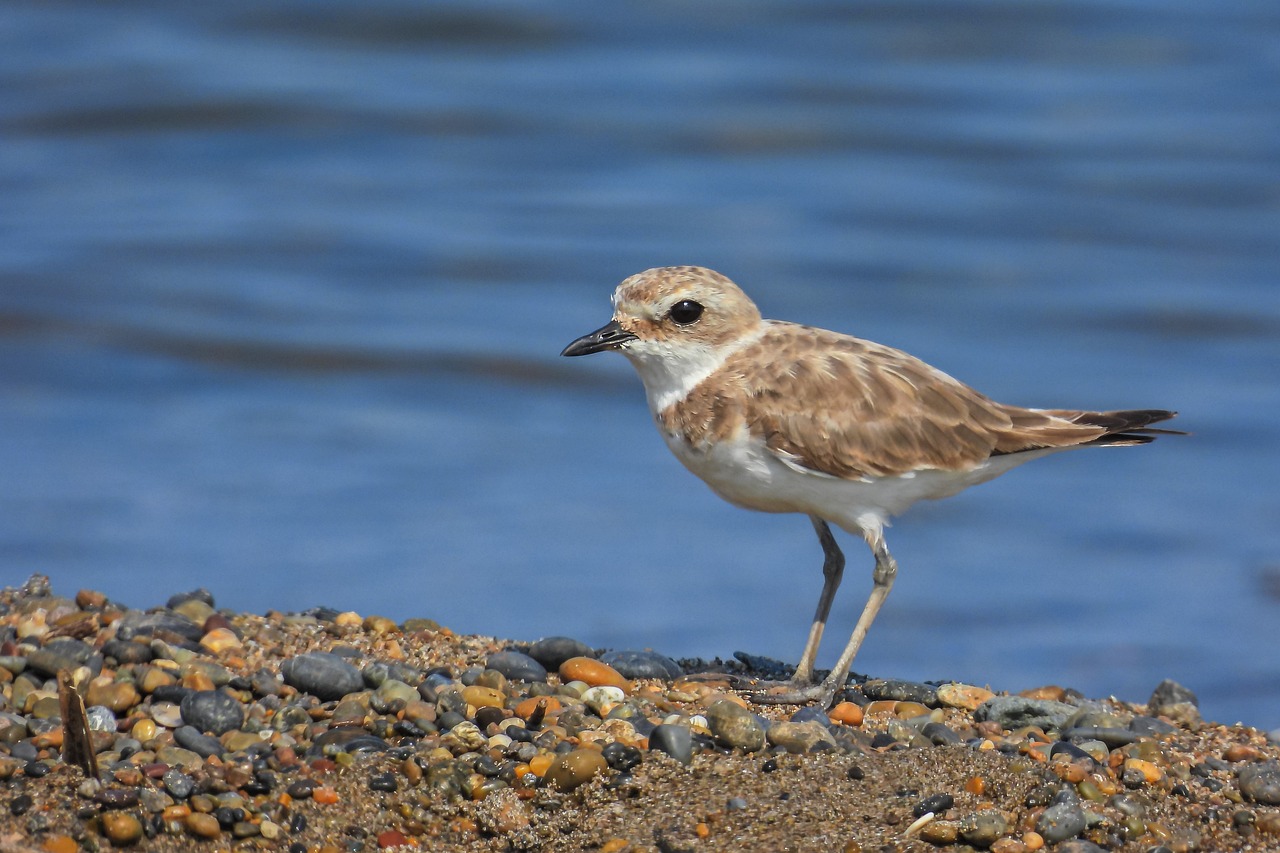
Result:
x=322 y=674
x=734 y=725
x=983 y=828
x=212 y=711
x=121 y=828
x=574 y=768
x=800 y=737
x=900 y=691
x=1060 y=822
x=202 y=825
x=674 y=739
x=1261 y=782
x=642 y=664
x=518 y=666
x=203 y=745
x=551 y=652
x=592 y=672
x=966 y=696
x=1016 y=712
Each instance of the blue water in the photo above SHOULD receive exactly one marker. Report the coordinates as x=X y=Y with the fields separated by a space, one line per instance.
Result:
x=282 y=288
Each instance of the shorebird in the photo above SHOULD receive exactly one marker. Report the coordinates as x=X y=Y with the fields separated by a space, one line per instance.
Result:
x=780 y=417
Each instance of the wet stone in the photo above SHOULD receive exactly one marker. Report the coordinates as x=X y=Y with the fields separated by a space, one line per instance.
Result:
x=551 y=652
x=135 y=623
x=1015 y=712
x=1261 y=782
x=984 y=828
x=900 y=691
x=322 y=674
x=1060 y=822
x=518 y=666
x=642 y=664
x=937 y=803
x=735 y=726
x=178 y=784
x=203 y=745
x=621 y=757
x=673 y=739
x=212 y=711
x=127 y=652
x=800 y=737
x=574 y=768
x=121 y=828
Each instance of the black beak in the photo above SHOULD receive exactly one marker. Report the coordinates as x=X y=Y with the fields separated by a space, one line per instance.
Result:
x=609 y=336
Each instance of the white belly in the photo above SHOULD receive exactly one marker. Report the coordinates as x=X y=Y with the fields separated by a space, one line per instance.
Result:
x=746 y=473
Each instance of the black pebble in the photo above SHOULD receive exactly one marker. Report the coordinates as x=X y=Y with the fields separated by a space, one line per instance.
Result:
x=20 y=804
x=553 y=651
x=642 y=664
x=203 y=745
x=301 y=790
x=385 y=782
x=621 y=757
x=212 y=711
x=855 y=773
x=673 y=739
x=936 y=803
x=36 y=769
x=517 y=666
x=769 y=766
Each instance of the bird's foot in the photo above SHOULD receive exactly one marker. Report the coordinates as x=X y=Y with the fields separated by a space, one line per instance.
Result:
x=822 y=694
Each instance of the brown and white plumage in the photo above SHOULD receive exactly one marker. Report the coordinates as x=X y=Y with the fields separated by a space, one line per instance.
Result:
x=781 y=417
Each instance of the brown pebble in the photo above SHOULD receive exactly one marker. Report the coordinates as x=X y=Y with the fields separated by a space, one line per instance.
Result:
x=964 y=696
x=483 y=697
x=119 y=696
x=202 y=825
x=573 y=768
x=59 y=844
x=847 y=713
x=592 y=672
x=1049 y=691
x=121 y=828
x=1242 y=752
x=221 y=640
x=940 y=831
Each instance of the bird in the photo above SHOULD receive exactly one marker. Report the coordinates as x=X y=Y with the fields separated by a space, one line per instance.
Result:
x=786 y=418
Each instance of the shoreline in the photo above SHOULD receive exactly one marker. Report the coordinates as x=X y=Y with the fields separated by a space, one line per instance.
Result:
x=334 y=732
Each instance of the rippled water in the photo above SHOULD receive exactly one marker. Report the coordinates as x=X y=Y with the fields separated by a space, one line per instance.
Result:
x=282 y=289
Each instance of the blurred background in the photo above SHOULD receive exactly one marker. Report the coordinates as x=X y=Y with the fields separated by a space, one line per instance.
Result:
x=282 y=289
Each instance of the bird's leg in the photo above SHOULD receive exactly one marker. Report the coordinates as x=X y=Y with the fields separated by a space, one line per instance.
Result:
x=882 y=578
x=832 y=571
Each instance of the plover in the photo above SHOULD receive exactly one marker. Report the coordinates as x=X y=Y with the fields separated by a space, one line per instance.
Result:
x=780 y=417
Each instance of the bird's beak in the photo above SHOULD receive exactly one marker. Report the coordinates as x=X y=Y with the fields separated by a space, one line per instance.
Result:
x=609 y=336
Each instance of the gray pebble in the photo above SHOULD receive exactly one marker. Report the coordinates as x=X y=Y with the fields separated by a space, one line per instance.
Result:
x=553 y=651
x=642 y=664
x=212 y=711
x=135 y=623
x=984 y=828
x=101 y=718
x=1079 y=845
x=178 y=784
x=1261 y=782
x=203 y=745
x=1014 y=712
x=900 y=691
x=673 y=739
x=200 y=594
x=517 y=666
x=1060 y=822
x=322 y=674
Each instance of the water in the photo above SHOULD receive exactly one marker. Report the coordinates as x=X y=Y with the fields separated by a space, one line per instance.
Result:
x=282 y=290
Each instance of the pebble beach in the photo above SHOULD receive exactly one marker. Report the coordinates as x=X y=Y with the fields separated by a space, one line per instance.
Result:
x=329 y=731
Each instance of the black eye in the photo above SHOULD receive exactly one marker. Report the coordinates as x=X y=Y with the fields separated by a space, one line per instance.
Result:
x=685 y=312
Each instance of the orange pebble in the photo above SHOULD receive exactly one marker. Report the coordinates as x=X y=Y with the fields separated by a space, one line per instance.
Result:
x=526 y=708
x=539 y=764
x=847 y=713
x=392 y=838
x=703 y=830
x=976 y=785
x=615 y=845
x=592 y=672
x=324 y=794
x=1033 y=840
x=60 y=844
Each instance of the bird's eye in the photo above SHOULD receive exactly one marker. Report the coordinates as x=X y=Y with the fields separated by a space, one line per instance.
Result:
x=685 y=312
